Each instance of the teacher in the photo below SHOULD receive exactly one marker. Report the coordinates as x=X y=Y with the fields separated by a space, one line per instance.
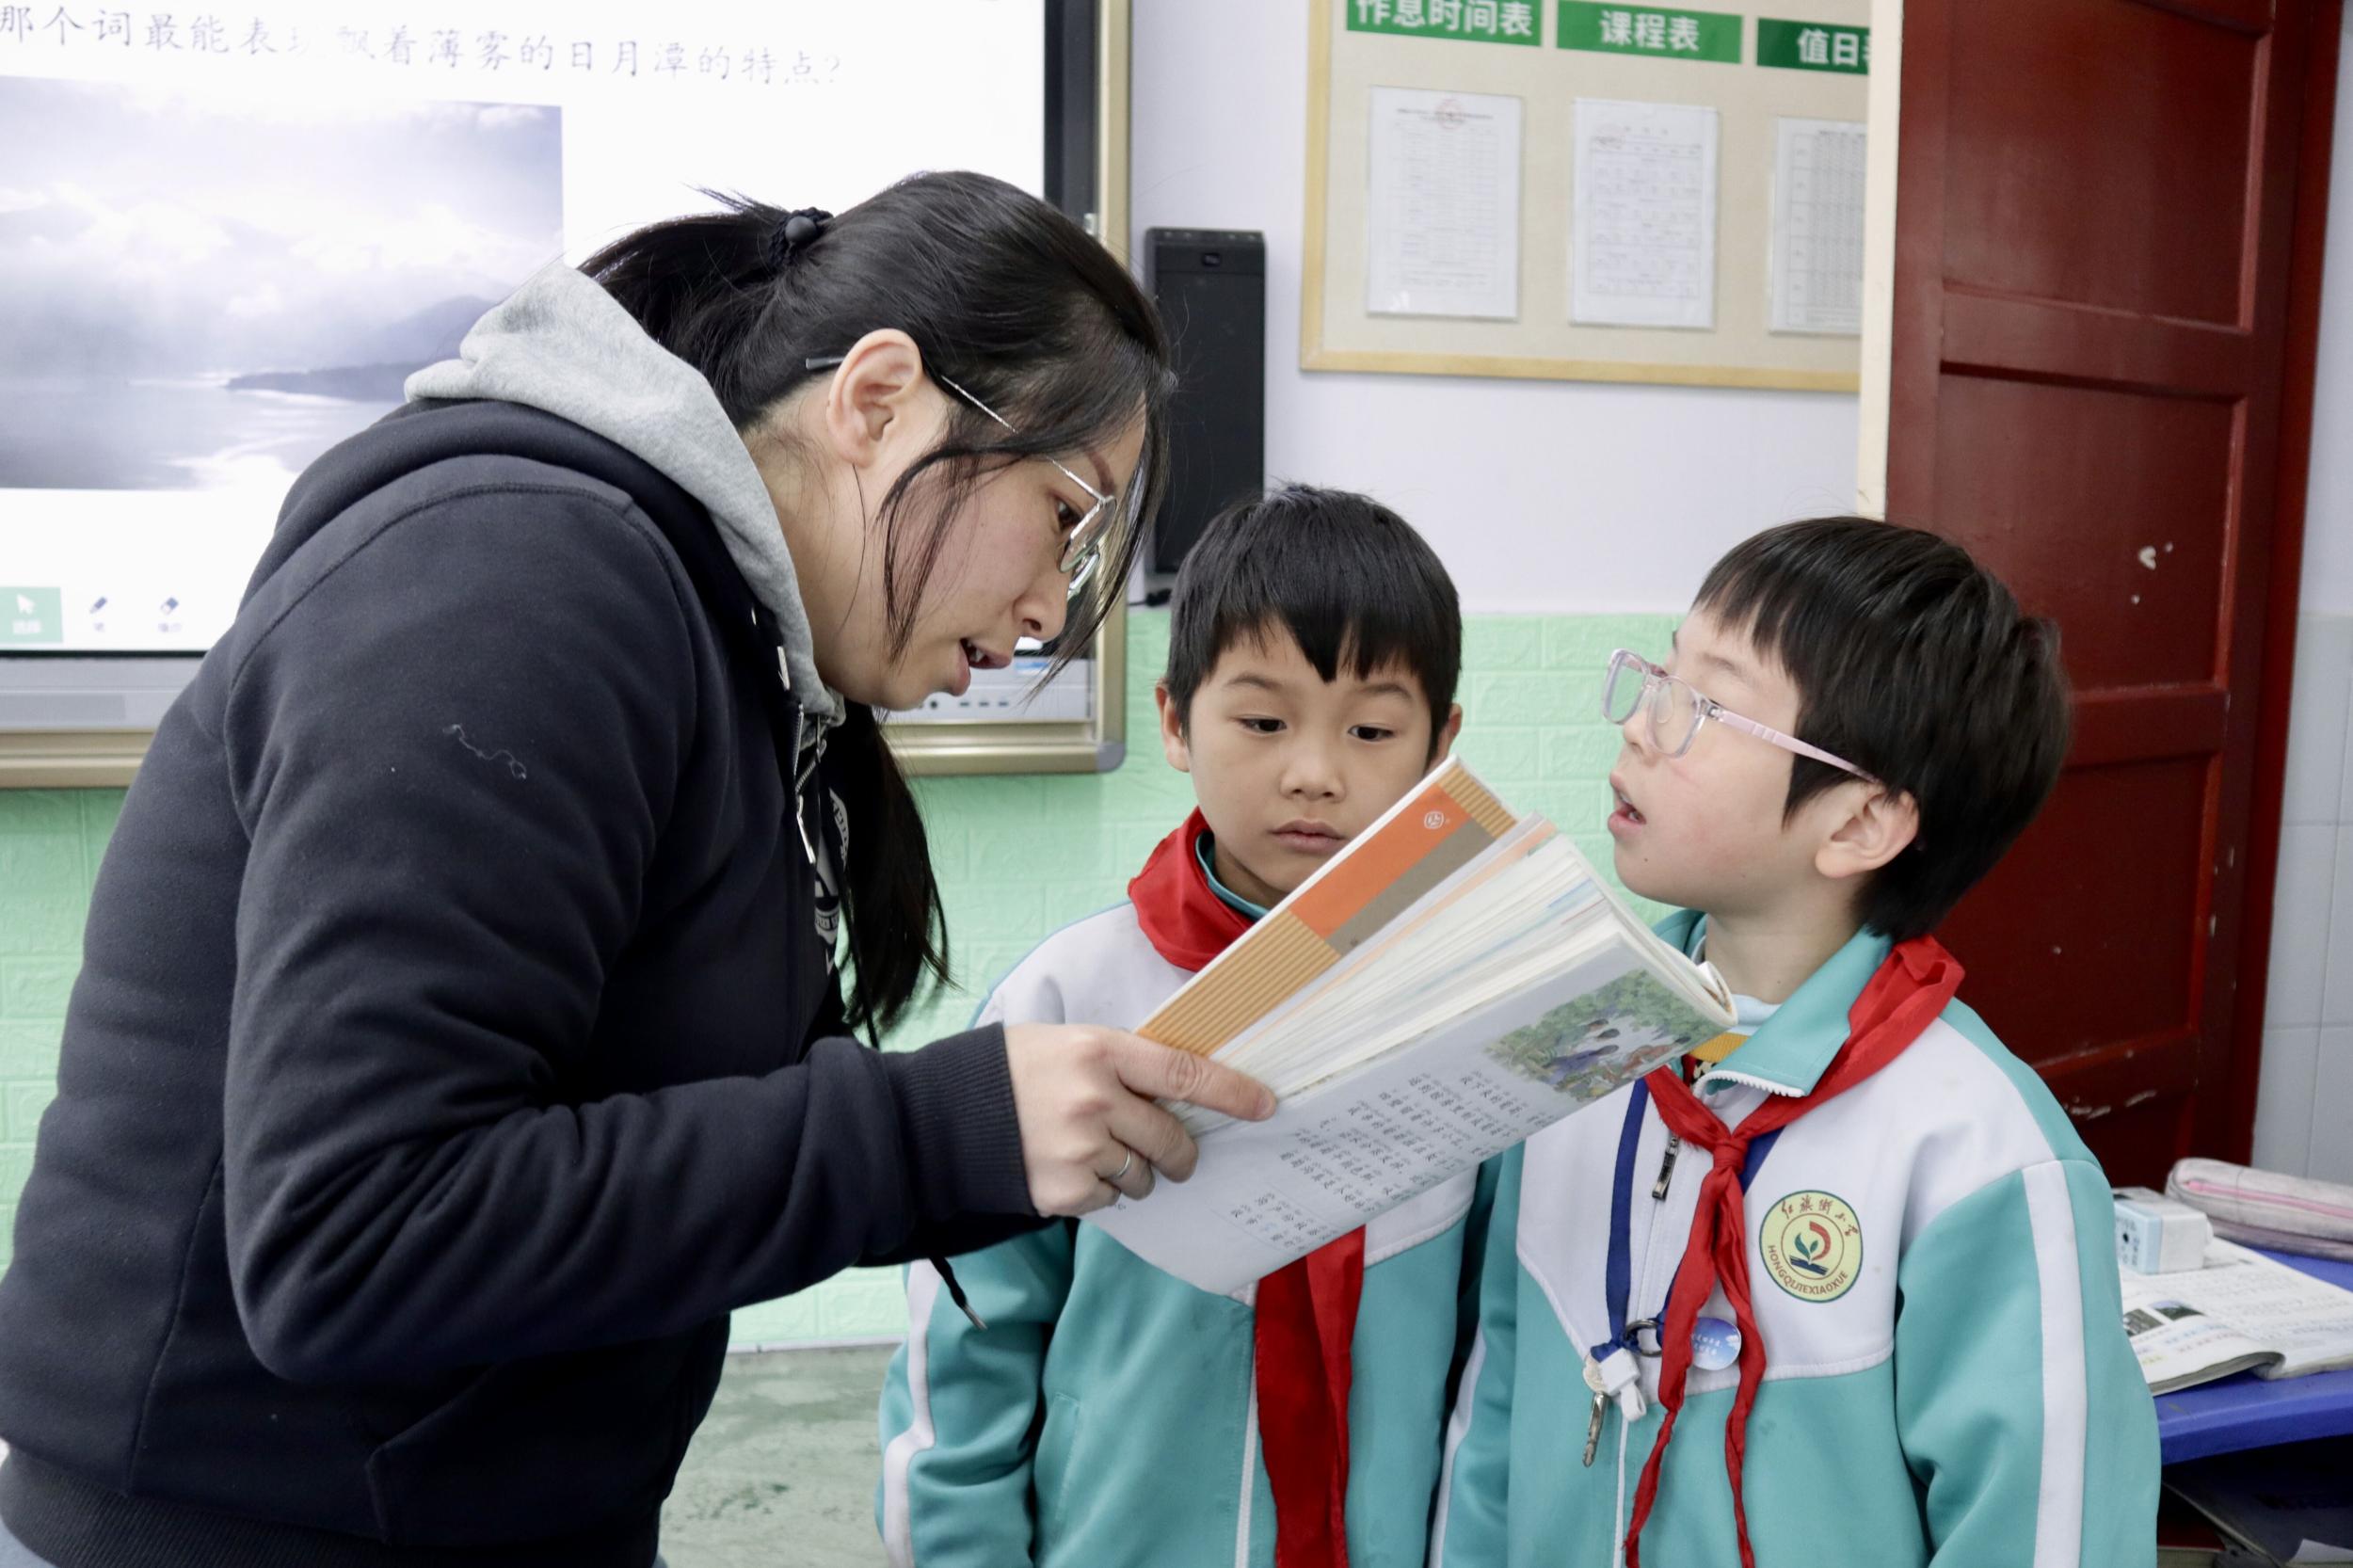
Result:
x=460 y=1036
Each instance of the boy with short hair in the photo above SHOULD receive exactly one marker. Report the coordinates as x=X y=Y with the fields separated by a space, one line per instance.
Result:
x=1110 y=1413
x=1849 y=1294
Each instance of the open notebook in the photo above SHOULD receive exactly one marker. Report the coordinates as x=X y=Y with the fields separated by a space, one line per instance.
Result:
x=2239 y=1310
x=1455 y=980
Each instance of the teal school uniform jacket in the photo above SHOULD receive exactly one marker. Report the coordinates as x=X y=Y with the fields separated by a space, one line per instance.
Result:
x=1931 y=1261
x=1107 y=1414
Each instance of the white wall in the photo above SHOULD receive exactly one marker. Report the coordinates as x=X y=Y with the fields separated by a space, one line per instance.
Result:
x=1538 y=495
x=2307 y=1086
x=1880 y=206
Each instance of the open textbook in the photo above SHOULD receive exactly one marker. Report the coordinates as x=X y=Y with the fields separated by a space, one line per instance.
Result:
x=2239 y=1311
x=1455 y=980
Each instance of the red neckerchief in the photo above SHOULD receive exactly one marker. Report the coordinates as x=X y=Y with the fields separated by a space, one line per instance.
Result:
x=1182 y=916
x=1306 y=1311
x=1906 y=993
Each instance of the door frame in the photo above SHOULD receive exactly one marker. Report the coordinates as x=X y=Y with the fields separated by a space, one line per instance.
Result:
x=2230 y=1134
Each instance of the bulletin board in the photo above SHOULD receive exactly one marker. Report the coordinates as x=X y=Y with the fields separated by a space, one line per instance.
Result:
x=1472 y=246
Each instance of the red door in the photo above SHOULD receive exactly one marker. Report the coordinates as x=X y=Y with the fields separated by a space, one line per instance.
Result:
x=2097 y=219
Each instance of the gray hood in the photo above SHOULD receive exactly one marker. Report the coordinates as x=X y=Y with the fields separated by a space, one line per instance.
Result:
x=561 y=343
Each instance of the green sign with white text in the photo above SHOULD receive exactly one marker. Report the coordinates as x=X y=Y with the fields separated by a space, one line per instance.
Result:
x=1813 y=46
x=1472 y=20
x=1653 y=30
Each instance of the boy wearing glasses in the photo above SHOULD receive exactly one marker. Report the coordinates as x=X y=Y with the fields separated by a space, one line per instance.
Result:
x=1110 y=1413
x=1843 y=1289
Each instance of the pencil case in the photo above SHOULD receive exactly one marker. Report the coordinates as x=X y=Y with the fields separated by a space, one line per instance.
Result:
x=2267 y=1208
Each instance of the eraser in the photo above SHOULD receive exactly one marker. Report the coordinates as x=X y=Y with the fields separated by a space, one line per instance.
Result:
x=2156 y=1235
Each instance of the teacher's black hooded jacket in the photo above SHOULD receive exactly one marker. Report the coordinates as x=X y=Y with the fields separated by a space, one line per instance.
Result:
x=457 y=1039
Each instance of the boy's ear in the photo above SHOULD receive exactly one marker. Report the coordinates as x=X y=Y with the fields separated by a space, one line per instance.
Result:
x=1879 y=825
x=1171 y=730
x=1442 y=743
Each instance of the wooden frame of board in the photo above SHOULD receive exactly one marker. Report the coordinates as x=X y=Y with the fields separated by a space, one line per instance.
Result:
x=1334 y=338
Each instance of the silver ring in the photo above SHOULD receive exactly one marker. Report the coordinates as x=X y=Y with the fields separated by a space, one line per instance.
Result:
x=1125 y=1167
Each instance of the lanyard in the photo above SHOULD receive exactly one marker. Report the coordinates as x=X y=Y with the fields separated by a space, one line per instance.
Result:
x=1618 y=1285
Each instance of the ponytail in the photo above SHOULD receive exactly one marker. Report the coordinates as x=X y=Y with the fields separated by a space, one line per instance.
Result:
x=890 y=894
x=1017 y=304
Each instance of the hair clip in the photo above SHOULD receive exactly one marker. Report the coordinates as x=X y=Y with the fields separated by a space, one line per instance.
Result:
x=796 y=233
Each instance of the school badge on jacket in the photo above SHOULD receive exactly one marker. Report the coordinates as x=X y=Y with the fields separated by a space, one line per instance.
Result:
x=1812 y=1245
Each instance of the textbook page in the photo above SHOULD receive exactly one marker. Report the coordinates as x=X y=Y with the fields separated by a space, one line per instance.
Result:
x=1334 y=1157
x=2306 y=1322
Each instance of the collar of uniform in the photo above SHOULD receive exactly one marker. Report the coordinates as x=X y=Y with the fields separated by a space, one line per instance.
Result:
x=1205 y=849
x=1791 y=1050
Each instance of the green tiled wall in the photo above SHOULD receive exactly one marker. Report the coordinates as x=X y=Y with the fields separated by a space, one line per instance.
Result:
x=1018 y=857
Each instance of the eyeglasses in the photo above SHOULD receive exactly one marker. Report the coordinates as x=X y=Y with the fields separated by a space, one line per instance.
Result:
x=1083 y=550
x=1633 y=684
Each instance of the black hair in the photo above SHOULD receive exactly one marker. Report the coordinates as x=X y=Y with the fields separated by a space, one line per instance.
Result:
x=1915 y=663
x=1001 y=293
x=1348 y=577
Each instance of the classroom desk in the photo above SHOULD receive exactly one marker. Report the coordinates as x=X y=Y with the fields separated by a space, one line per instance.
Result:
x=2243 y=1410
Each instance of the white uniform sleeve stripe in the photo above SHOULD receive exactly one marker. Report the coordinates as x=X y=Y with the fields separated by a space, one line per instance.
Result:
x=2060 y=1512
x=1457 y=1427
x=898 y=1511
x=1249 y=1472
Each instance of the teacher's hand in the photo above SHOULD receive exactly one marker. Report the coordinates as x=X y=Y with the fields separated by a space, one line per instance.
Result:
x=1090 y=1130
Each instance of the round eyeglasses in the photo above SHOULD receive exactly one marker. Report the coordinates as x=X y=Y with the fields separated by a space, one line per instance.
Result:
x=1082 y=547
x=1632 y=684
